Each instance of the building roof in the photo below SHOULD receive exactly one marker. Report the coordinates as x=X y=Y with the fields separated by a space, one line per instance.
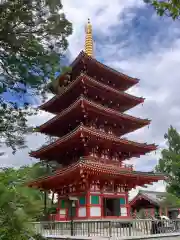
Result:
x=86 y=168
x=74 y=90
x=130 y=81
x=76 y=110
x=91 y=138
x=151 y=196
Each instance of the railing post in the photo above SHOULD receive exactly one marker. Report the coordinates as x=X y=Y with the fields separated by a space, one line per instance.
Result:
x=72 y=228
x=130 y=228
x=176 y=227
x=88 y=228
x=110 y=229
x=71 y=218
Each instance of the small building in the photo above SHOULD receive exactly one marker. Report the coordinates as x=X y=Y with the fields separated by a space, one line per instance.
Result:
x=148 y=203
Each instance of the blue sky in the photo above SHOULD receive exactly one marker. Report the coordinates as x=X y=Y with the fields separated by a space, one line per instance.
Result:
x=130 y=37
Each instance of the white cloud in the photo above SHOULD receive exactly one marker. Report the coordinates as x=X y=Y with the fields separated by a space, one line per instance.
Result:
x=103 y=15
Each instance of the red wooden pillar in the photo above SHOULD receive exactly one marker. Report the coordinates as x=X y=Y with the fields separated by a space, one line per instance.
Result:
x=152 y=212
x=135 y=213
x=88 y=204
x=58 y=204
x=146 y=212
x=58 y=208
x=166 y=211
x=77 y=208
x=102 y=205
x=128 y=206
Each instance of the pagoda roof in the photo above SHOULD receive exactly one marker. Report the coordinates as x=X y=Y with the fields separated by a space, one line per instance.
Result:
x=84 y=135
x=56 y=125
x=95 y=171
x=95 y=88
x=123 y=81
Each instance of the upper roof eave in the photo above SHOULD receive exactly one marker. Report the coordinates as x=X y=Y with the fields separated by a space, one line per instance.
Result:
x=83 y=54
x=83 y=129
x=83 y=100
x=56 y=97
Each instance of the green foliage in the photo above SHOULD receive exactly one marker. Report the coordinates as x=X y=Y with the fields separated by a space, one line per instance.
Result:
x=19 y=205
x=43 y=168
x=33 y=37
x=52 y=209
x=13 y=127
x=65 y=69
x=170 y=8
x=170 y=200
x=55 y=85
x=169 y=163
x=39 y=237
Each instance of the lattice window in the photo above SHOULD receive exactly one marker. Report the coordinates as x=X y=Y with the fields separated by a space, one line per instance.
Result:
x=94 y=199
x=122 y=201
x=82 y=200
x=62 y=204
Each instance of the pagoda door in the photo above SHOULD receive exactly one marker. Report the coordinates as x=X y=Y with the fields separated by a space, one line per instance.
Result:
x=111 y=207
x=71 y=210
x=116 y=207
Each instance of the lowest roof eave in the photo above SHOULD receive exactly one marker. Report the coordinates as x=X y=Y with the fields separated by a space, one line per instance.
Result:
x=96 y=170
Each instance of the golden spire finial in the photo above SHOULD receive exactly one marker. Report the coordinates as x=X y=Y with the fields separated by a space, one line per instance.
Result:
x=89 y=40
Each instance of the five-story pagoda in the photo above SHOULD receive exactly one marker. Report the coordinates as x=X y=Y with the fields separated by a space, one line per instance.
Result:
x=90 y=122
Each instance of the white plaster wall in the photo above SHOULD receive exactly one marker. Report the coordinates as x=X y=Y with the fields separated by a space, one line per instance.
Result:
x=82 y=212
x=95 y=211
x=123 y=211
x=62 y=211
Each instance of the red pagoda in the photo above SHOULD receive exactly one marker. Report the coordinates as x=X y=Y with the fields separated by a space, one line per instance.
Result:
x=90 y=121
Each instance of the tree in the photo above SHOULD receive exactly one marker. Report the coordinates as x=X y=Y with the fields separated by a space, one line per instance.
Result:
x=13 y=127
x=19 y=205
x=56 y=86
x=33 y=37
x=169 y=8
x=170 y=200
x=169 y=163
